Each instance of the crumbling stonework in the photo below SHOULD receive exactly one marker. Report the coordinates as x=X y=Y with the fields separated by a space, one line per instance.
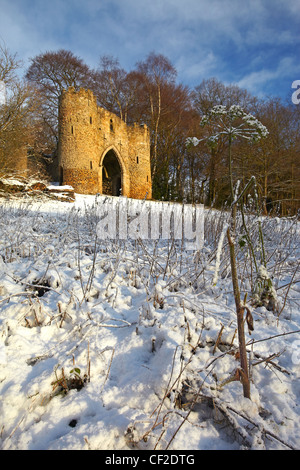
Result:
x=100 y=153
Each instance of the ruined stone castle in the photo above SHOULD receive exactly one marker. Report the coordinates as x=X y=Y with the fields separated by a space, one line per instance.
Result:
x=100 y=153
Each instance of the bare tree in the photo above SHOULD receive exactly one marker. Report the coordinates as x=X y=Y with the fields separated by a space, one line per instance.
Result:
x=9 y=65
x=156 y=71
x=51 y=72
x=17 y=125
x=116 y=90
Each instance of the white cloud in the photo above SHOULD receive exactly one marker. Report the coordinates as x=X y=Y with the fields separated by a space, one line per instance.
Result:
x=202 y=38
x=29 y=31
x=257 y=80
x=194 y=69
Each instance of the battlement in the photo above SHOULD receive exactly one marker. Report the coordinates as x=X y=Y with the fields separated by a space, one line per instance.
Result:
x=72 y=93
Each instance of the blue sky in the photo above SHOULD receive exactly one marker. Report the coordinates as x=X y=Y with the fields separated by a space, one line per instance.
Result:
x=252 y=43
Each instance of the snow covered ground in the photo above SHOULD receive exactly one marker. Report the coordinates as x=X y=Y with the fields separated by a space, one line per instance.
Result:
x=132 y=345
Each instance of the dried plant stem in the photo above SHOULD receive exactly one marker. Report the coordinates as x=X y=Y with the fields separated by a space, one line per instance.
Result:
x=218 y=339
x=289 y=286
x=225 y=408
x=240 y=318
x=108 y=370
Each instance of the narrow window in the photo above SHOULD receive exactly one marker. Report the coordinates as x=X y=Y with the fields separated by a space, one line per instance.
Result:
x=137 y=159
x=91 y=120
x=111 y=125
x=72 y=129
x=61 y=175
x=147 y=179
x=91 y=165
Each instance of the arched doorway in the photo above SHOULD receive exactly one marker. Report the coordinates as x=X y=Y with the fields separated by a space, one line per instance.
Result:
x=111 y=175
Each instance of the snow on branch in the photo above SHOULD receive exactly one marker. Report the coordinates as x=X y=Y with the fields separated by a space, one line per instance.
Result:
x=233 y=122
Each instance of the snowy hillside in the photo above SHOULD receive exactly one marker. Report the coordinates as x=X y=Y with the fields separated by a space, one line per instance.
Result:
x=133 y=345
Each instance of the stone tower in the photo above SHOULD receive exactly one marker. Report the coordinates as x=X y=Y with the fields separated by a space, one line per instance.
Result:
x=100 y=153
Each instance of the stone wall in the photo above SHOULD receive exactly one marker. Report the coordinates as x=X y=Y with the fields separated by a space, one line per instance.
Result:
x=87 y=134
